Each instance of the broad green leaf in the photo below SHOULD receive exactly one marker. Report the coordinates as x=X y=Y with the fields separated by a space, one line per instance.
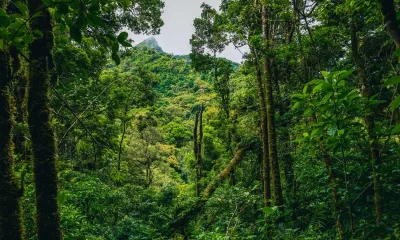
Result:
x=345 y=74
x=332 y=131
x=115 y=47
x=315 y=131
x=327 y=96
x=316 y=81
x=296 y=105
x=268 y=210
x=317 y=88
x=305 y=89
x=122 y=37
x=396 y=129
x=322 y=86
x=325 y=74
x=395 y=103
x=341 y=83
x=23 y=8
x=392 y=81
x=126 y=44
x=116 y=58
x=28 y=38
x=397 y=52
x=2 y=12
x=308 y=112
x=37 y=33
x=341 y=132
x=375 y=102
x=297 y=95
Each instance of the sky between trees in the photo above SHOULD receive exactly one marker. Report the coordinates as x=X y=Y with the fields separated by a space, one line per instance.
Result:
x=178 y=27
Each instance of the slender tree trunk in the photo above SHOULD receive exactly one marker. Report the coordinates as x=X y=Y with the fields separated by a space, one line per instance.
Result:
x=334 y=188
x=120 y=145
x=199 y=148
x=41 y=129
x=10 y=193
x=332 y=183
x=264 y=133
x=390 y=20
x=273 y=153
x=370 y=124
x=196 y=155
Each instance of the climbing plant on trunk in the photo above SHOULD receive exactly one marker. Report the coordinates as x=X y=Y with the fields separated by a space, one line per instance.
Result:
x=40 y=126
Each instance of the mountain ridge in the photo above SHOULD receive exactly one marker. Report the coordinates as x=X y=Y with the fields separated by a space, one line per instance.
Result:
x=150 y=42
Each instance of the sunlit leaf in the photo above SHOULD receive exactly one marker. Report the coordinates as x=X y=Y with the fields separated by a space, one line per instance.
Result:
x=392 y=81
x=396 y=103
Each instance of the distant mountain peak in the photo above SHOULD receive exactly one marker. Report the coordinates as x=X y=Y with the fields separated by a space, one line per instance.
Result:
x=150 y=42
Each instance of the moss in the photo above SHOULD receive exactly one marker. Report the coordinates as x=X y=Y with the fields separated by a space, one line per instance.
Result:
x=10 y=194
x=41 y=130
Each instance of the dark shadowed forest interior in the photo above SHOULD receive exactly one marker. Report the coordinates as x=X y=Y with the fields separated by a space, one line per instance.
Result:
x=102 y=137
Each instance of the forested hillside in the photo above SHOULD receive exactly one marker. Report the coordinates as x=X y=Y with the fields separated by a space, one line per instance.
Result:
x=100 y=139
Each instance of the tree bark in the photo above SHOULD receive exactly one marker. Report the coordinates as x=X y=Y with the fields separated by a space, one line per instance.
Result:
x=199 y=151
x=264 y=132
x=273 y=153
x=196 y=150
x=19 y=92
x=40 y=127
x=122 y=137
x=370 y=124
x=334 y=190
x=10 y=193
x=120 y=145
x=392 y=24
x=332 y=183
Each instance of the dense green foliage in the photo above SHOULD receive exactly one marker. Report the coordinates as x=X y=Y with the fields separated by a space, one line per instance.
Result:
x=299 y=141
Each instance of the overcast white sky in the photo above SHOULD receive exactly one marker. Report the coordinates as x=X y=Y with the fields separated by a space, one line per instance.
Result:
x=178 y=28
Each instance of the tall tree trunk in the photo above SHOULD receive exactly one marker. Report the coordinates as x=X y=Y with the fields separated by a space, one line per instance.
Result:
x=196 y=150
x=390 y=20
x=370 y=124
x=120 y=145
x=199 y=148
x=273 y=153
x=334 y=190
x=332 y=183
x=122 y=137
x=10 y=193
x=41 y=129
x=264 y=132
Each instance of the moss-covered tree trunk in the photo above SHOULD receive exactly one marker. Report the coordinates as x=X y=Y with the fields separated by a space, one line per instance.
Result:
x=264 y=132
x=10 y=193
x=19 y=92
x=369 y=123
x=269 y=99
x=390 y=20
x=40 y=127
